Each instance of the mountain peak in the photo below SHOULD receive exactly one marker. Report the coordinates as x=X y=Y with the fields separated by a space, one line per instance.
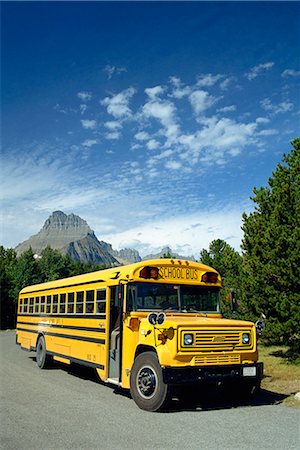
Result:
x=58 y=220
x=69 y=234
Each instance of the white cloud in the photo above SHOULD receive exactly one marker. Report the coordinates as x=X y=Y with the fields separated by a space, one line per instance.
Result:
x=257 y=70
x=165 y=113
x=207 y=80
x=201 y=101
x=153 y=144
x=179 y=90
x=113 y=125
x=113 y=70
x=290 y=73
x=89 y=124
x=154 y=92
x=269 y=132
x=84 y=96
x=118 y=105
x=225 y=109
x=224 y=85
x=226 y=133
x=142 y=136
x=82 y=108
x=180 y=233
x=89 y=143
x=60 y=109
x=278 y=108
x=262 y=120
x=113 y=135
x=173 y=165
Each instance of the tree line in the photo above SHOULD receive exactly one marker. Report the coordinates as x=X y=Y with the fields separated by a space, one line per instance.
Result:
x=264 y=277
x=27 y=269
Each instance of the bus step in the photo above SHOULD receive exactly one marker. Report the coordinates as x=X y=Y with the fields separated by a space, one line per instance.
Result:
x=113 y=381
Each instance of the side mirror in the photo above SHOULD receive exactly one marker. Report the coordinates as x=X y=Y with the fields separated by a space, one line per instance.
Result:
x=261 y=324
x=234 y=301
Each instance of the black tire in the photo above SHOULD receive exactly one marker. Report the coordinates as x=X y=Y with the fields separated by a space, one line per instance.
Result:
x=42 y=359
x=147 y=387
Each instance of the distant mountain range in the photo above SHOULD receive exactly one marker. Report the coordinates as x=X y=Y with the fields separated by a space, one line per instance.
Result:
x=72 y=235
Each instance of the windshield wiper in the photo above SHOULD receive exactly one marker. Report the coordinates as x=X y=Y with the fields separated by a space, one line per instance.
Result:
x=185 y=309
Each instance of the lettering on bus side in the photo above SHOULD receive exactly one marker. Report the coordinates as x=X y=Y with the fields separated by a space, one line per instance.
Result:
x=178 y=273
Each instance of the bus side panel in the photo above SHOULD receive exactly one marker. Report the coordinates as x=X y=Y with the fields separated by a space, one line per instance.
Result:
x=26 y=336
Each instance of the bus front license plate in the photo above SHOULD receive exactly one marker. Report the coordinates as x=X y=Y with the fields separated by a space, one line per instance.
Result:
x=249 y=371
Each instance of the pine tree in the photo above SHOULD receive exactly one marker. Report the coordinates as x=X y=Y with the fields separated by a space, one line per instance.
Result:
x=25 y=272
x=8 y=261
x=53 y=265
x=228 y=262
x=271 y=247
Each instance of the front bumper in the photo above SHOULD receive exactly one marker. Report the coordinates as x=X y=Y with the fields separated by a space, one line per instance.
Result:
x=213 y=374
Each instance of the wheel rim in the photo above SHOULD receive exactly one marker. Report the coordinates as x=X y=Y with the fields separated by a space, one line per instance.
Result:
x=146 y=381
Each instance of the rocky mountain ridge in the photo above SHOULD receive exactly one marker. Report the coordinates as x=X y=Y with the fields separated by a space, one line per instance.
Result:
x=70 y=234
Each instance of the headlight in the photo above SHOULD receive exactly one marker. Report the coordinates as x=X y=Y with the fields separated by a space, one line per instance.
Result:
x=246 y=338
x=188 y=339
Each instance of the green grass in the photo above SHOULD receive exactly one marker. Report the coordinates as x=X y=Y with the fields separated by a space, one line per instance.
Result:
x=280 y=375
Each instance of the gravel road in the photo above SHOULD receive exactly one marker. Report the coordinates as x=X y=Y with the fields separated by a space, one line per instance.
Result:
x=66 y=407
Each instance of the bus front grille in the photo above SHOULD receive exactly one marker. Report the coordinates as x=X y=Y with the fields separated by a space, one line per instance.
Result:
x=217 y=340
x=216 y=359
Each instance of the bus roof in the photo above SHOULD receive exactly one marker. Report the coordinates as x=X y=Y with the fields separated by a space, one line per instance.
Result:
x=124 y=273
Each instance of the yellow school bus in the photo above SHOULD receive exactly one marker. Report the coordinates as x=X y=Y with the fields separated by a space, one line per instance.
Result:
x=146 y=327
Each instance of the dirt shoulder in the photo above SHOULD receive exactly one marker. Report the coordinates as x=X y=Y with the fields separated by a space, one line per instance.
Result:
x=280 y=375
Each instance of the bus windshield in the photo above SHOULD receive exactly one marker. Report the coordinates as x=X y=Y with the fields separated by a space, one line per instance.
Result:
x=170 y=297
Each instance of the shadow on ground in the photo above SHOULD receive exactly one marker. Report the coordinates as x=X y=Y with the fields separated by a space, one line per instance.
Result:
x=205 y=398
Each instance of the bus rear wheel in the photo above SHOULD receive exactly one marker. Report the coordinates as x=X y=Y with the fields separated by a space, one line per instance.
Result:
x=42 y=359
x=147 y=387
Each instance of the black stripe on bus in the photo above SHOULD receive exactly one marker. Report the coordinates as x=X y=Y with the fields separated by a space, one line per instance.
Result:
x=65 y=336
x=68 y=327
x=99 y=316
x=62 y=287
x=78 y=361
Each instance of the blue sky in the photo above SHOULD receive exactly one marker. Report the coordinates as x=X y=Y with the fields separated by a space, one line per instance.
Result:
x=152 y=121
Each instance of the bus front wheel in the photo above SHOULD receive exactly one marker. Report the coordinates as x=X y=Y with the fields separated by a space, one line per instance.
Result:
x=42 y=359
x=147 y=387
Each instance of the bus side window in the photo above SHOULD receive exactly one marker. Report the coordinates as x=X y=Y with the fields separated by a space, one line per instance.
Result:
x=89 y=305
x=21 y=305
x=37 y=305
x=101 y=301
x=25 y=305
x=79 y=302
x=55 y=304
x=70 y=303
x=62 y=303
x=48 y=304
x=31 y=305
x=42 y=304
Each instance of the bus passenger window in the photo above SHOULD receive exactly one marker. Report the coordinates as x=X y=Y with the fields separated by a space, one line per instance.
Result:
x=101 y=302
x=25 y=305
x=21 y=305
x=55 y=304
x=48 y=304
x=31 y=305
x=42 y=304
x=79 y=302
x=37 y=305
x=62 y=303
x=70 y=303
x=89 y=306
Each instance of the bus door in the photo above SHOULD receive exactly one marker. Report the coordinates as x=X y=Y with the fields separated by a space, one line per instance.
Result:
x=115 y=332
